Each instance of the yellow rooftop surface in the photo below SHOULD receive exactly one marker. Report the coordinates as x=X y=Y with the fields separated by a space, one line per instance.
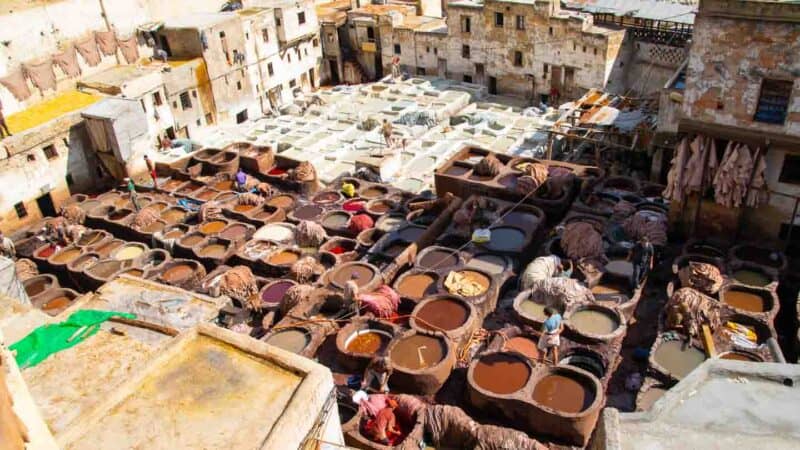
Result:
x=49 y=109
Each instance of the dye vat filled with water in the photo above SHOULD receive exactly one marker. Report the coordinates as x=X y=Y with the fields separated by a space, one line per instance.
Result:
x=507 y=239
x=441 y=314
x=677 y=358
x=744 y=300
x=283 y=258
x=532 y=309
x=362 y=274
x=523 y=345
x=501 y=373
x=594 y=321
x=368 y=341
x=293 y=340
x=563 y=393
x=418 y=351
x=751 y=277
x=437 y=258
x=415 y=286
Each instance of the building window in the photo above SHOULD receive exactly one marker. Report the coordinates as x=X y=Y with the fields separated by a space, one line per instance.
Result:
x=421 y=71
x=239 y=85
x=520 y=22
x=278 y=21
x=265 y=34
x=241 y=116
x=465 y=51
x=157 y=98
x=70 y=180
x=435 y=51
x=186 y=101
x=194 y=93
x=209 y=119
x=288 y=57
x=396 y=49
x=574 y=47
x=550 y=30
x=330 y=38
x=21 y=211
x=50 y=152
x=773 y=103
x=370 y=34
x=569 y=76
x=584 y=49
x=31 y=157
x=199 y=122
x=498 y=19
x=292 y=83
x=595 y=51
x=270 y=70
x=247 y=36
x=790 y=172
x=466 y=24
x=427 y=49
x=467 y=78
x=518 y=58
x=315 y=43
x=174 y=105
x=301 y=17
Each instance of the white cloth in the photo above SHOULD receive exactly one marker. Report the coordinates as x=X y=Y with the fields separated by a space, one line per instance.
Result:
x=539 y=269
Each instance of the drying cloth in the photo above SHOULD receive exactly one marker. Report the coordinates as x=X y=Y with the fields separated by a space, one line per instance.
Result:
x=303 y=172
x=249 y=199
x=359 y=223
x=129 y=48
x=758 y=195
x=16 y=83
x=88 y=50
x=488 y=166
x=26 y=269
x=145 y=217
x=459 y=284
x=310 y=234
x=42 y=75
x=73 y=214
x=210 y=210
x=730 y=182
x=106 y=41
x=383 y=302
x=67 y=61
x=49 y=339
x=581 y=240
x=647 y=223
x=450 y=427
x=296 y=295
x=674 y=189
x=688 y=309
x=560 y=292
x=306 y=269
x=539 y=269
x=704 y=277
x=238 y=283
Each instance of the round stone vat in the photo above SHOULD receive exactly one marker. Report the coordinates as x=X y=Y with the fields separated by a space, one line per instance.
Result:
x=294 y=339
x=416 y=285
x=421 y=362
x=766 y=257
x=499 y=374
x=327 y=197
x=153 y=259
x=594 y=322
x=586 y=359
x=39 y=283
x=451 y=315
x=102 y=272
x=675 y=359
x=750 y=274
x=273 y=293
x=61 y=258
x=183 y=273
x=344 y=249
x=361 y=340
x=105 y=248
x=437 y=258
x=373 y=191
x=54 y=301
x=741 y=355
x=129 y=252
x=748 y=300
x=366 y=276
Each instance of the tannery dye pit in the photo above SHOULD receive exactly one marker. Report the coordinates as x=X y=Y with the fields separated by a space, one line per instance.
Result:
x=501 y=373
x=441 y=314
x=563 y=393
x=372 y=342
x=417 y=351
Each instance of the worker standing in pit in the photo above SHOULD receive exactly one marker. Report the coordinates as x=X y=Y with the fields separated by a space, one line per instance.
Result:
x=379 y=370
x=133 y=194
x=641 y=256
x=385 y=423
x=550 y=338
x=151 y=168
x=241 y=181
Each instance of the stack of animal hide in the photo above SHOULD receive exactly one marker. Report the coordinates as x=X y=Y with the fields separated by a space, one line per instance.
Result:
x=310 y=234
x=304 y=172
x=145 y=217
x=647 y=223
x=249 y=199
x=688 y=309
x=240 y=283
x=73 y=214
x=26 y=269
x=560 y=292
x=581 y=240
x=306 y=269
x=209 y=211
x=704 y=277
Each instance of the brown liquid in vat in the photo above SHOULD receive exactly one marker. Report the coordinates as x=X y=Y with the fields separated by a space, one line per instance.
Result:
x=66 y=256
x=225 y=185
x=359 y=273
x=243 y=208
x=284 y=258
x=372 y=192
x=213 y=251
x=735 y=356
x=307 y=212
x=523 y=345
x=37 y=287
x=369 y=342
x=215 y=226
x=178 y=273
x=563 y=394
x=192 y=240
x=57 y=303
x=501 y=374
x=442 y=314
x=415 y=286
x=281 y=201
x=744 y=300
x=436 y=259
x=417 y=352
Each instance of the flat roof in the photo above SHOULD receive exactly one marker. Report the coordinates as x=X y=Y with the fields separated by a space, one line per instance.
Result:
x=49 y=109
x=115 y=77
x=669 y=11
x=199 y=20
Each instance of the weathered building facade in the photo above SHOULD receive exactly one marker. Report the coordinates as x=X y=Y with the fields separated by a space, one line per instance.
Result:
x=742 y=85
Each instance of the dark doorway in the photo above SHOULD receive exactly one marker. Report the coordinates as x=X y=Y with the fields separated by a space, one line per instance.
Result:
x=493 y=85
x=241 y=116
x=479 y=73
x=46 y=206
x=311 y=78
x=334 y=69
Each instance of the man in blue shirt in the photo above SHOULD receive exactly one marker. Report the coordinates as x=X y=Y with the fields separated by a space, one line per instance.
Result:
x=550 y=338
x=241 y=181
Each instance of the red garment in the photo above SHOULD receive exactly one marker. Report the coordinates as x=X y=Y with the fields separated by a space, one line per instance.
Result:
x=384 y=422
x=360 y=222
